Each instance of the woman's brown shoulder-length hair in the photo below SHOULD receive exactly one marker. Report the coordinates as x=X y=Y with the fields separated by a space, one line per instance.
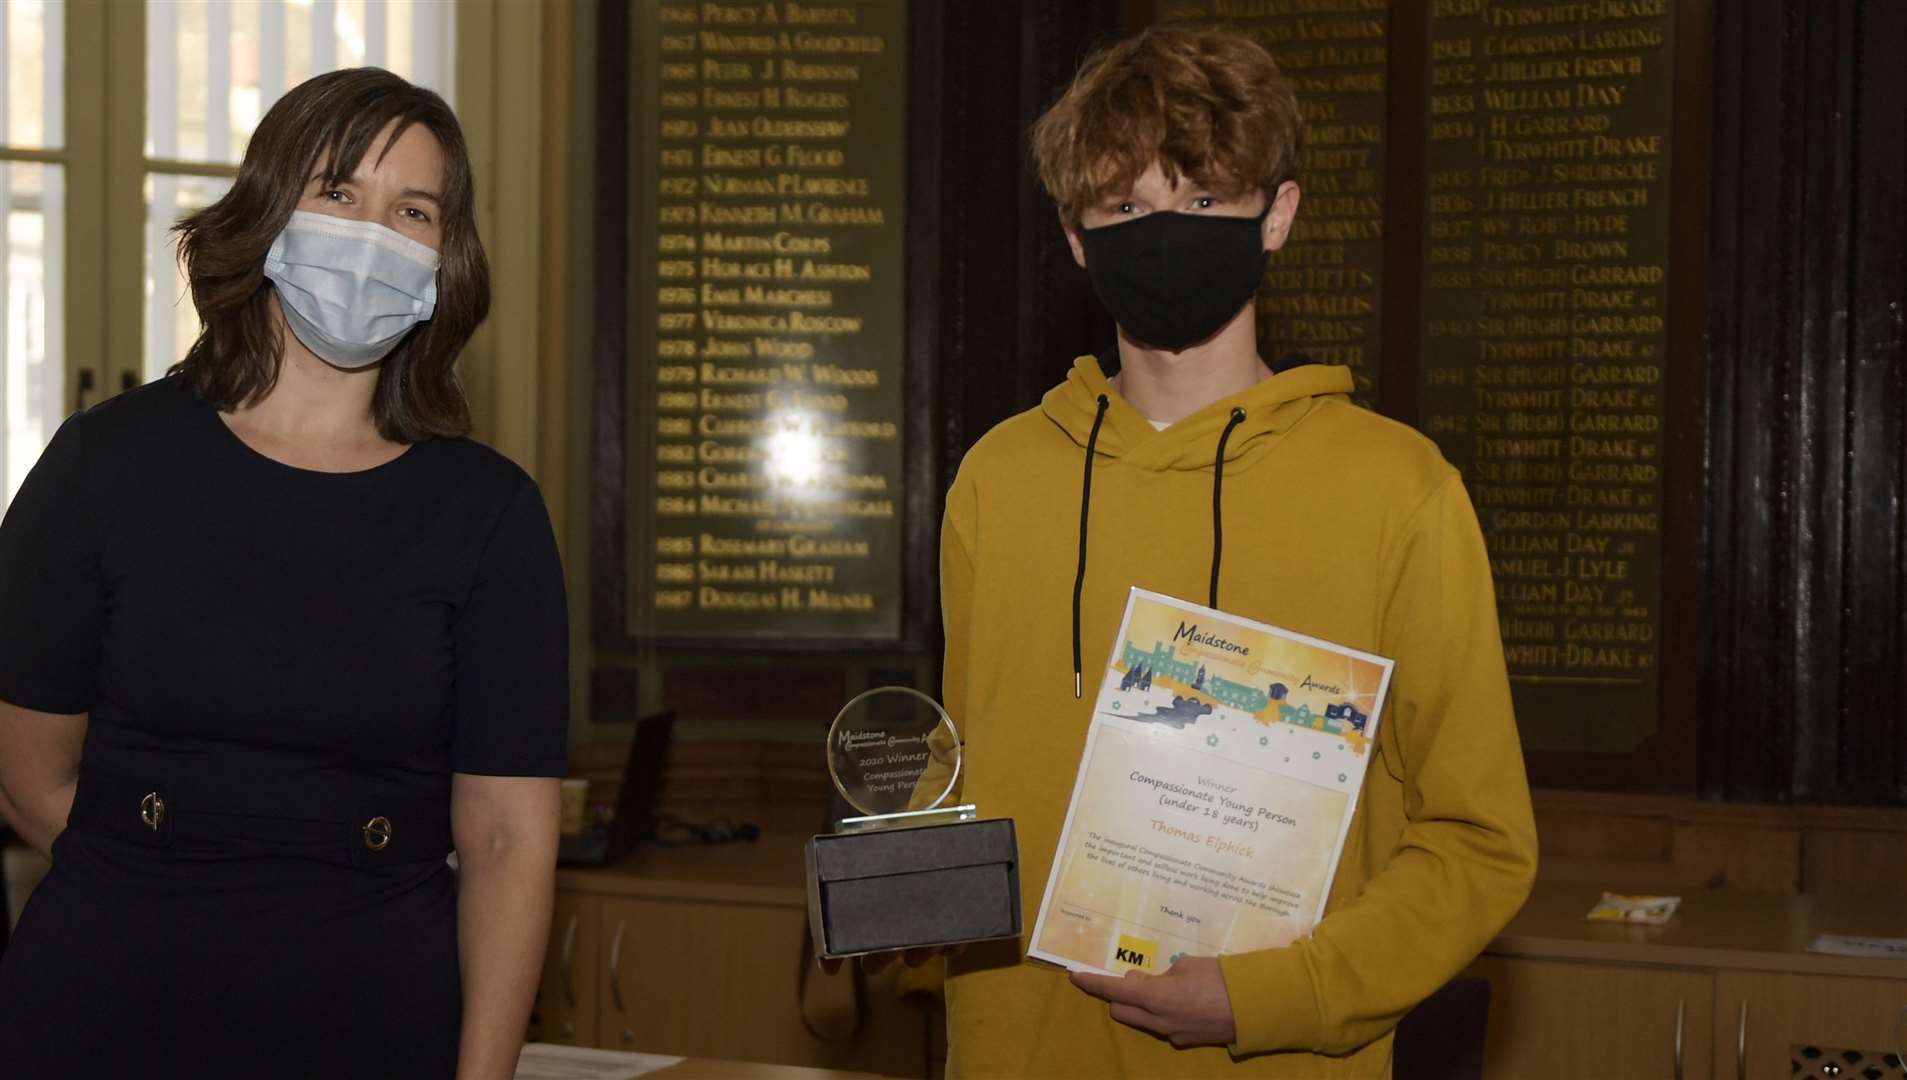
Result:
x=325 y=126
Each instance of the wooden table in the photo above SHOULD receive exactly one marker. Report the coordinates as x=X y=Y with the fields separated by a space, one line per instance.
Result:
x=1712 y=929
x=665 y=950
x=1729 y=981
x=710 y=1069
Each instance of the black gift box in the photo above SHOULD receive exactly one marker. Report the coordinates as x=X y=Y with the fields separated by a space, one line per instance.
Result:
x=911 y=888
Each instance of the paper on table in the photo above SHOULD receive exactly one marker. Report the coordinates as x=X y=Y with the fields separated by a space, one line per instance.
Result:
x=1220 y=772
x=1848 y=945
x=548 y=1061
x=1645 y=910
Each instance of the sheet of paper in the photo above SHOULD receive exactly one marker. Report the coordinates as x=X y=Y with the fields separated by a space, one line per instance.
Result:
x=1641 y=910
x=548 y=1061
x=1221 y=769
x=1848 y=945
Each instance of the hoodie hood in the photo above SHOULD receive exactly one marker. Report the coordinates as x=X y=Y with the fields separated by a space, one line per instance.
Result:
x=1271 y=408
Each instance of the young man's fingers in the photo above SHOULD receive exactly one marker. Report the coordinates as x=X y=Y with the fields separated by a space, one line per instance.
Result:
x=1129 y=989
x=1134 y=1016
x=876 y=962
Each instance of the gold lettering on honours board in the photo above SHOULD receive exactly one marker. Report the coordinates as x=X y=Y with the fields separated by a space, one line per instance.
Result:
x=1545 y=312
x=770 y=131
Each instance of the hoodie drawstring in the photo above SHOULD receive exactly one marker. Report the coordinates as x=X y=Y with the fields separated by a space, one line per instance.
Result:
x=1085 y=503
x=1218 y=514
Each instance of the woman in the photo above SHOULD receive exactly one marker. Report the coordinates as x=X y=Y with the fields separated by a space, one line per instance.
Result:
x=275 y=637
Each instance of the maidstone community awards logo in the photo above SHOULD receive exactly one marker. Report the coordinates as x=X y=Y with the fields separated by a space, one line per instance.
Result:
x=1196 y=688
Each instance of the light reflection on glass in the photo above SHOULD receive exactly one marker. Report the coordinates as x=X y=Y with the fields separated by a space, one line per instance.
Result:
x=797 y=458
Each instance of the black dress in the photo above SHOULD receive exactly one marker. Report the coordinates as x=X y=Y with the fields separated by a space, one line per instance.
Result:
x=283 y=669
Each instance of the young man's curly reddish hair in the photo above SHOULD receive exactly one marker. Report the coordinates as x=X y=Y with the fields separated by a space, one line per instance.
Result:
x=1208 y=104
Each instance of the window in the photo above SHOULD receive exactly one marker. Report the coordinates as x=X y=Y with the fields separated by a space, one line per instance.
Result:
x=213 y=67
x=32 y=232
x=117 y=118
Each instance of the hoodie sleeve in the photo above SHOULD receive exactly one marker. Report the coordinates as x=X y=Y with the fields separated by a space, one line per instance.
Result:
x=956 y=604
x=956 y=595
x=1467 y=854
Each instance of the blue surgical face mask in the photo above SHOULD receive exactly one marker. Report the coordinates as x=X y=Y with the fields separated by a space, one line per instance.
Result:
x=350 y=290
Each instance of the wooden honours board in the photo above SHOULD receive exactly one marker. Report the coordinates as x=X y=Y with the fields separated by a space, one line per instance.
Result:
x=1499 y=170
x=1545 y=338
x=1321 y=293
x=767 y=369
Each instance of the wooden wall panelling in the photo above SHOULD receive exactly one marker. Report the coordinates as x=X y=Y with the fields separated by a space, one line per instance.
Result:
x=1873 y=732
x=551 y=373
x=1659 y=842
x=1817 y=390
x=781 y=787
x=925 y=374
x=1676 y=751
x=1406 y=154
x=1014 y=310
x=1752 y=198
x=1804 y=655
x=976 y=281
x=608 y=459
x=1060 y=318
x=1852 y=862
x=739 y=691
x=1601 y=836
x=1744 y=858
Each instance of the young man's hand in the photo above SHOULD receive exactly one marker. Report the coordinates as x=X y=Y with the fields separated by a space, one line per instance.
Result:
x=1188 y=1005
x=875 y=962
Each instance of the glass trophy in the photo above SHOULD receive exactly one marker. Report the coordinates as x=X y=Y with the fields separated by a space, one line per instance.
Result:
x=894 y=755
x=907 y=871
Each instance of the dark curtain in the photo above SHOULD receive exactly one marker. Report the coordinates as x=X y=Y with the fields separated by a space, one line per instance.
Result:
x=1806 y=655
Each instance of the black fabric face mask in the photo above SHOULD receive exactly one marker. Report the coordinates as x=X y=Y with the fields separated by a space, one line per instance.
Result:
x=1171 y=279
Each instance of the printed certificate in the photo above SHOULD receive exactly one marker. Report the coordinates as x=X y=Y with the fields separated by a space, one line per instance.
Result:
x=1217 y=785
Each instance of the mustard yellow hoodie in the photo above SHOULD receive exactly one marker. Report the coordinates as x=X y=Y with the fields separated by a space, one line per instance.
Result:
x=1336 y=523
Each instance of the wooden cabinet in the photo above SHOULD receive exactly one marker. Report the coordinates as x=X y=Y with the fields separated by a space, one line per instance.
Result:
x=699 y=952
x=706 y=982
x=1562 y=1018
x=566 y=998
x=1764 y=1016
x=1730 y=980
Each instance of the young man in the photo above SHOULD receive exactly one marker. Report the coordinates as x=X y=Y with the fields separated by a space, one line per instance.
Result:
x=1198 y=472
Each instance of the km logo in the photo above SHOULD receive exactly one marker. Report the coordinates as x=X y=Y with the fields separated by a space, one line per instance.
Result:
x=1135 y=952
